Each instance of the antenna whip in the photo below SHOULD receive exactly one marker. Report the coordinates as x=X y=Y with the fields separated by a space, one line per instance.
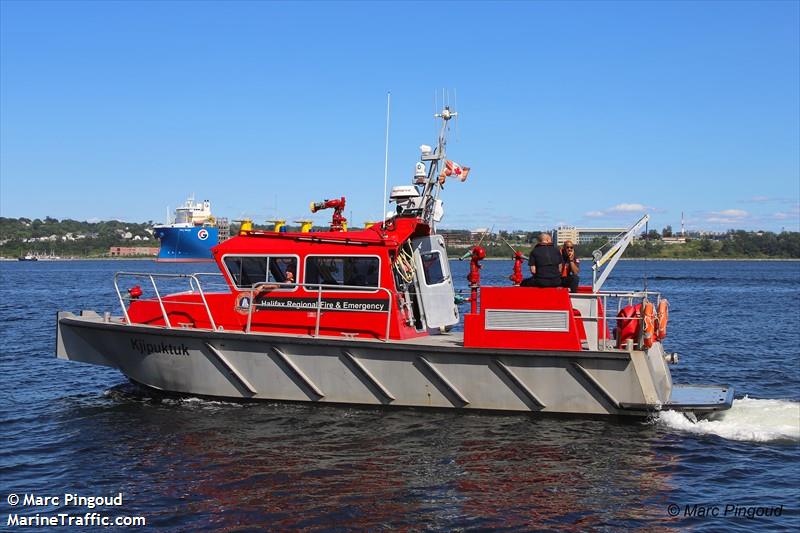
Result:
x=386 y=157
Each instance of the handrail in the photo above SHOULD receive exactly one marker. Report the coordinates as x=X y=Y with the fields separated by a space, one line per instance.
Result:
x=602 y=320
x=319 y=288
x=151 y=276
x=614 y=294
x=194 y=279
x=209 y=274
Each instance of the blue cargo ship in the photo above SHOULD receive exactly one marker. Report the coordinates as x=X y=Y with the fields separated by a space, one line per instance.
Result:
x=190 y=236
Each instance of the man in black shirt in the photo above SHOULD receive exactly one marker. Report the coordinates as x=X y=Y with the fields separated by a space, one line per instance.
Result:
x=545 y=263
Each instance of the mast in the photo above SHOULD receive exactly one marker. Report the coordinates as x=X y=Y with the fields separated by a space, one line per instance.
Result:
x=432 y=187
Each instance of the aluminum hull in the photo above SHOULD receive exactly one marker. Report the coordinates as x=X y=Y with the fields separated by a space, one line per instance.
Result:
x=437 y=373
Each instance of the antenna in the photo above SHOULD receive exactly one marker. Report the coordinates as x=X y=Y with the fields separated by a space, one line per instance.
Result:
x=435 y=110
x=455 y=104
x=385 y=158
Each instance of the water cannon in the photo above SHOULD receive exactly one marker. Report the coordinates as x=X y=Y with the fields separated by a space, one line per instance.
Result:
x=338 y=222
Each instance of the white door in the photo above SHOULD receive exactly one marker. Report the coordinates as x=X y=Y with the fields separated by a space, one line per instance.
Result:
x=434 y=282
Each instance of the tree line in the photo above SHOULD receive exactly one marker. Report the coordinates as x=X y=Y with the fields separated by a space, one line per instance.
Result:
x=69 y=237
x=20 y=236
x=735 y=244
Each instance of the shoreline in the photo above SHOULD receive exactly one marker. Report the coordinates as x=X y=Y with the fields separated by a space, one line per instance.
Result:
x=62 y=259
x=451 y=258
x=589 y=259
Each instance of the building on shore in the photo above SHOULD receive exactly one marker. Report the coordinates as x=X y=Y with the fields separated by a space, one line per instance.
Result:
x=586 y=235
x=674 y=240
x=132 y=251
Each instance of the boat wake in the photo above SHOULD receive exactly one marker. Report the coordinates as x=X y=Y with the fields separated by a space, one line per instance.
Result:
x=130 y=392
x=748 y=419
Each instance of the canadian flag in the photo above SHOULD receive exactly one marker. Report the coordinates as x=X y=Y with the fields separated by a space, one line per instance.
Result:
x=451 y=168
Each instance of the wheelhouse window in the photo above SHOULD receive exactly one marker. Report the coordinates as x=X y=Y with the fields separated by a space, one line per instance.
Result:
x=246 y=271
x=432 y=268
x=342 y=270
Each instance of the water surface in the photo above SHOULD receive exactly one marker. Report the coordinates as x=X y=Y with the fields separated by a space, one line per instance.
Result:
x=189 y=465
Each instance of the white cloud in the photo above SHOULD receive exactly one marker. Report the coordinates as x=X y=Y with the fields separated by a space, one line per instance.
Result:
x=622 y=209
x=762 y=199
x=731 y=213
x=793 y=213
x=627 y=208
x=727 y=216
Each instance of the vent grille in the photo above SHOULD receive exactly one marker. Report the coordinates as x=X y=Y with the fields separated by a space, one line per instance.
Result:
x=523 y=320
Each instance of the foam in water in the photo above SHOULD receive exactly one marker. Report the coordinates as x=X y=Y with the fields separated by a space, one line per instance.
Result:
x=748 y=419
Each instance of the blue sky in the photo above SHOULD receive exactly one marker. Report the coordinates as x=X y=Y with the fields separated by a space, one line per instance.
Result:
x=578 y=113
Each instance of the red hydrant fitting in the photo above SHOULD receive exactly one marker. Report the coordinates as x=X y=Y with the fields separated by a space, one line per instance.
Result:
x=516 y=277
x=135 y=292
x=474 y=276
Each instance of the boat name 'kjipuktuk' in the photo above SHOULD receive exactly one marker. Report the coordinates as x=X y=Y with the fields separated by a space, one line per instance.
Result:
x=366 y=317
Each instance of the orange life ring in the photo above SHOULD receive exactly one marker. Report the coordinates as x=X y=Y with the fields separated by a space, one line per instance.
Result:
x=662 y=319
x=649 y=324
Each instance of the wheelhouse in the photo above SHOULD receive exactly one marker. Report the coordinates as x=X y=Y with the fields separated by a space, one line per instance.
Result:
x=387 y=281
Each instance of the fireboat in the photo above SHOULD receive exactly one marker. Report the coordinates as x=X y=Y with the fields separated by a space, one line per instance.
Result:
x=366 y=317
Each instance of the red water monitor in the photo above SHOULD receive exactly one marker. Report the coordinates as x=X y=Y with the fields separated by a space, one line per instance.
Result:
x=338 y=222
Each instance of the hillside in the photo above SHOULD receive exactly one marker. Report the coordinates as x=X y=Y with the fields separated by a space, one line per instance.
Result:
x=65 y=238
x=72 y=238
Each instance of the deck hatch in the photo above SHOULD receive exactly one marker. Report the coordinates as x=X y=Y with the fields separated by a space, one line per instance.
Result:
x=526 y=320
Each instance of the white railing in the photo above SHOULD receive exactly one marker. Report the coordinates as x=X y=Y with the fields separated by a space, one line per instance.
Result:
x=603 y=320
x=194 y=286
x=258 y=289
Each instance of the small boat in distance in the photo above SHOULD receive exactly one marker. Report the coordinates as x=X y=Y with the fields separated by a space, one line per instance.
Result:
x=366 y=317
x=190 y=235
x=30 y=256
x=51 y=257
